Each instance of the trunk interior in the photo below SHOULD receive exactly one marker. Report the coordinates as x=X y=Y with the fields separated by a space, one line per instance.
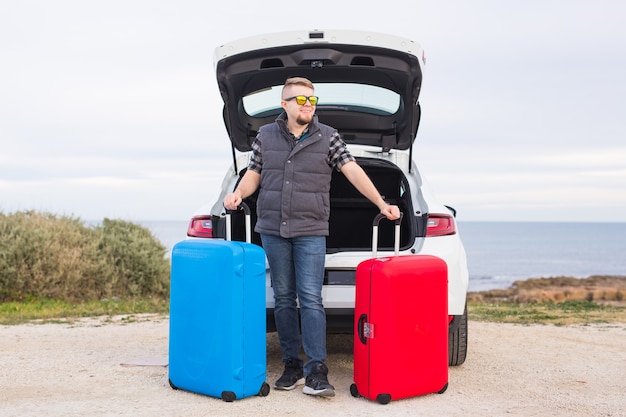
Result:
x=352 y=215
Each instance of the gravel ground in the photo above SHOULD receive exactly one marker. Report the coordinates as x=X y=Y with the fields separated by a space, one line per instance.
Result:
x=118 y=367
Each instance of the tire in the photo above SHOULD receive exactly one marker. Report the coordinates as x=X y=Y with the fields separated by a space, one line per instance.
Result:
x=457 y=339
x=354 y=391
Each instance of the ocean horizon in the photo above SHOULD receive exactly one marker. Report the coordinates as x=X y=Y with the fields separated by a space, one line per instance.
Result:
x=500 y=253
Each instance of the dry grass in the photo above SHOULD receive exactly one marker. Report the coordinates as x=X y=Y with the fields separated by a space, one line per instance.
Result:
x=558 y=300
x=598 y=289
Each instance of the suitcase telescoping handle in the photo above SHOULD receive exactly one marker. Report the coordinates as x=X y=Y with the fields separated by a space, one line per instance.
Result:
x=396 y=242
x=246 y=211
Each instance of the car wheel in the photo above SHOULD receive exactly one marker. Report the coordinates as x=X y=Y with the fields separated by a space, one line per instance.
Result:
x=457 y=339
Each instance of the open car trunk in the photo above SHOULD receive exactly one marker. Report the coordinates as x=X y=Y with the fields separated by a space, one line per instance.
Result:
x=352 y=215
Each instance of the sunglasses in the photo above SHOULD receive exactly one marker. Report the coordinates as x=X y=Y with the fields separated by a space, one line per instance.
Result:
x=302 y=99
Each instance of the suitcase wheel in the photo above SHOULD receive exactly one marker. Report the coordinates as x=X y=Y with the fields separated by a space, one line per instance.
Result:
x=354 y=391
x=172 y=384
x=265 y=390
x=228 y=396
x=445 y=387
x=383 y=398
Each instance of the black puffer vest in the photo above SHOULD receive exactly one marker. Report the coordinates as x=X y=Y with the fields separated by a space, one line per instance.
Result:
x=294 y=196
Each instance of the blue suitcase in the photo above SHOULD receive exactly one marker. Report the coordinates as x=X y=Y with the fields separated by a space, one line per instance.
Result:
x=217 y=334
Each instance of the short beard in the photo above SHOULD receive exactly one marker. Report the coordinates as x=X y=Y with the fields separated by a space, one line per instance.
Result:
x=303 y=122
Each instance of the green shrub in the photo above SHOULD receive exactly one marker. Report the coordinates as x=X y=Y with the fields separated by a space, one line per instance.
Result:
x=135 y=259
x=61 y=258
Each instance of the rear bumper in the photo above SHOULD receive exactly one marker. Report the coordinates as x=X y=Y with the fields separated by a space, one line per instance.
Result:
x=339 y=299
x=338 y=320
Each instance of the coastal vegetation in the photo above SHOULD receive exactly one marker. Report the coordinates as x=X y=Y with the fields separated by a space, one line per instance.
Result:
x=59 y=264
x=560 y=314
x=554 y=300
x=58 y=268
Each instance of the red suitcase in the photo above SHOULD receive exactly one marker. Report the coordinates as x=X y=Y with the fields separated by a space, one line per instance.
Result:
x=401 y=325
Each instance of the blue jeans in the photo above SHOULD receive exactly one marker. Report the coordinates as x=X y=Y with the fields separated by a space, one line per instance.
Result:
x=297 y=271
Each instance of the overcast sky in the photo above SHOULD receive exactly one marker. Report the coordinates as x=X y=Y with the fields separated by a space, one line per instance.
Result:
x=111 y=109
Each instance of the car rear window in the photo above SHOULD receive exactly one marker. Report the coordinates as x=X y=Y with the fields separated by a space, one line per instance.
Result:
x=350 y=97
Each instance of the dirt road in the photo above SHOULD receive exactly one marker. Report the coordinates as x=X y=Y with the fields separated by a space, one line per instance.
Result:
x=95 y=368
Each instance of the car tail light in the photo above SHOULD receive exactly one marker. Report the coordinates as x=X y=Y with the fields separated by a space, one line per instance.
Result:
x=440 y=225
x=200 y=226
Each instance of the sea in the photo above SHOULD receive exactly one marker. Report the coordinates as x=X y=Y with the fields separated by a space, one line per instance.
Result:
x=500 y=253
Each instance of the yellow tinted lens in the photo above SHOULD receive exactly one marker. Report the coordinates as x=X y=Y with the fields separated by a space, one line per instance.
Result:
x=300 y=100
x=313 y=100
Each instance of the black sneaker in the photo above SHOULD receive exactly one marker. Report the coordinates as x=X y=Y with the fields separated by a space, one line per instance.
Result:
x=292 y=375
x=317 y=382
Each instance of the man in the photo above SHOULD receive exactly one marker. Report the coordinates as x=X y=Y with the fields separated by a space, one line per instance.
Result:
x=292 y=162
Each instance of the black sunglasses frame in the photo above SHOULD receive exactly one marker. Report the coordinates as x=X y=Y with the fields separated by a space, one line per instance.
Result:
x=315 y=98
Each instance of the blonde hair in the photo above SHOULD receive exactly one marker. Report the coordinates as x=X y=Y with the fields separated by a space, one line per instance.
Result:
x=298 y=81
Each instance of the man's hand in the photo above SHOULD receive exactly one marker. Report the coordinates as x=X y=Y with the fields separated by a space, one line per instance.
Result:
x=391 y=212
x=248 y=184
x=232 y=201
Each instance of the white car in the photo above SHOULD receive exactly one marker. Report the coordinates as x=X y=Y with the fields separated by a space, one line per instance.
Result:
x=368 y=86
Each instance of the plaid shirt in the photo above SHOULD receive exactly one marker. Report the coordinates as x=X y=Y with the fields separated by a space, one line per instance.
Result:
x=338 y=154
